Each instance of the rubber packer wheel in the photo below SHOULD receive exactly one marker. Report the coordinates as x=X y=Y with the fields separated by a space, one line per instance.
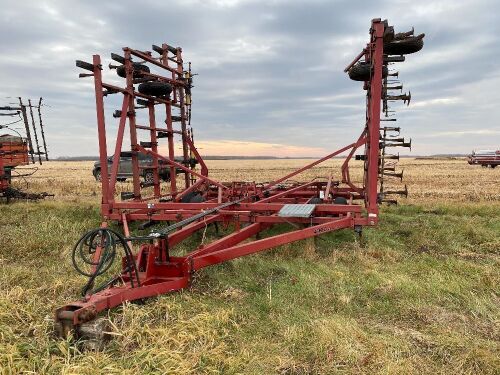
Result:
x=339 y=200
x=362 y=72
x=192 y=197
x=138 y=68
x=315 y=200
x=404 y=46
x=155 y=88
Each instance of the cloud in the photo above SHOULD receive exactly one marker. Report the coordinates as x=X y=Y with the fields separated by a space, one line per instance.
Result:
x=270 y=72
x=228 y=147
x=462 y=133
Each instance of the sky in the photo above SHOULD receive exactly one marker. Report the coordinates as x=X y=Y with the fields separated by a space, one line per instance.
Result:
x=270 y=73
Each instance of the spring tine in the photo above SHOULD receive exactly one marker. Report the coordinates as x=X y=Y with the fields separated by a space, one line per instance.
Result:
x=388 y=169
x=396 y=144
x=391 y=157
x=27 y=128
x=398 y=192
x=389 y=201
x=391 y=59
x=408 y=99
x=396 y=175
x=398 y=87
x=393 y=139
x=404 y=97
x=35 y=132
x=396 y=129
x=41 y=129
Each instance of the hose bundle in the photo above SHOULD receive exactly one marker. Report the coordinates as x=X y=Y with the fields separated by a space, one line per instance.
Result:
x=109 y=242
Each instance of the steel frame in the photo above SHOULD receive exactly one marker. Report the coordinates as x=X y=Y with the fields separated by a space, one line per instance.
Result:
x=251 y=207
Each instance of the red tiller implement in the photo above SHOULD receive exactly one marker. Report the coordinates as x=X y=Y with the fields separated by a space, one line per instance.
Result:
x=18 y=150
x=485 y=158
x=196 y=200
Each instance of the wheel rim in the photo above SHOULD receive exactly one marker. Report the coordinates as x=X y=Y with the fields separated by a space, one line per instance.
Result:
x=98 y=175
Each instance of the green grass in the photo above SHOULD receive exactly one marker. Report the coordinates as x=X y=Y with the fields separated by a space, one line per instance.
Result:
x=418 y=294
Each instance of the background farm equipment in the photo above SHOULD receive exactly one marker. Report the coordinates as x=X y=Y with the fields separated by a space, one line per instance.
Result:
x=18 y=150
x=303 y=209
x=485 y=158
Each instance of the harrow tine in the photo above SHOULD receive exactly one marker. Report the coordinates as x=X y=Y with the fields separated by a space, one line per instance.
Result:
x=391 y=157
x=35 y=132
x=41 y=130
x=398 y=192
x=392 y=59
x=27 y=129
x=393 y=139
x=406 y=98
x=396 y=129
x=389 y=201
x=396 y=144
x=399 y=87
x=395 y=175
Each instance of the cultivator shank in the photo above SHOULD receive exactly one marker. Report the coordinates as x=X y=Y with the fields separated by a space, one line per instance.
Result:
x=309 y=208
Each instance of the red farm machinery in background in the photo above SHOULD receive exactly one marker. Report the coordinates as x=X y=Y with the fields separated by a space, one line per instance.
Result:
x=485 y=158
x=18 y=150
x=158 y=84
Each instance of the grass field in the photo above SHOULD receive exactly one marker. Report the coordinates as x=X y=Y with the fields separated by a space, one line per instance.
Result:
x=418 y=294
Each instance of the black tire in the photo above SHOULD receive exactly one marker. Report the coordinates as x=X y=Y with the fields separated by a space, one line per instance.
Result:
x=198 y=198
x=404 y=46
x=8 y=175
x=155 y=88
x=165 y=176
x=121 y=179
x=340 y=200
x=148 y=177
x=362 y=71
x=97 y=175
x=493 y=166
x=187 y=198
x=138 y=68
x=315 y=200
x=193 y=197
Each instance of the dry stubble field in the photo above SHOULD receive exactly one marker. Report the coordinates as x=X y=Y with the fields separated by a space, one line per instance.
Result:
x=428 y=179
x=419 y=294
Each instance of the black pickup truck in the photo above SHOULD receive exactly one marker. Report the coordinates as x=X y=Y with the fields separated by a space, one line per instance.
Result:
x=145 y=161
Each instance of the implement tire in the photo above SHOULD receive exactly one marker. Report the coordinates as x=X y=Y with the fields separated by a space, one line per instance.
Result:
x=155 y=88
x=362 y=71
x=404 y=46
x=138 y=68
